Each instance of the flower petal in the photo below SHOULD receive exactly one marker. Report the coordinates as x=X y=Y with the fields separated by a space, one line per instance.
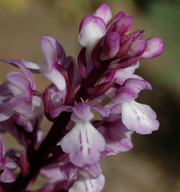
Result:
x=89 y=185
x=34 y=67
x=5 y=111
x=53 y=173
x=104 y=12
x=22 y=104
x=54 y=55
x=91 y=171
x=53 y=52
x=137 y=48
x=102 y=110
x=68 y=170
x=59 y=109
x=124 y=94
x=111 y=44
x=154 y=48
x=24 y=65
x=2 y=149
x=84 y=144
x=137 y=84
x=130 y=90
x=81 y=113
x=122 y=75
x=24 y=122
x=18 y=83
x=7 y=176
x=56 y=77
x=91 y=30
x=123 y=25
x=117 y=137
x=139 y=117
x=114 y=20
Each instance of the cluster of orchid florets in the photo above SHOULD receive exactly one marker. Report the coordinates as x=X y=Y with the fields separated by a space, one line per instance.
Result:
x=103 y=82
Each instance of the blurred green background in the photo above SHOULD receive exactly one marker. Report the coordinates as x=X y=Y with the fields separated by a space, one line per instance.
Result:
x=154 y=163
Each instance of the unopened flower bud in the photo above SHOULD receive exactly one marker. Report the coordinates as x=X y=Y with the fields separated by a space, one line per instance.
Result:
x=123 y=25
x=154 y=48
x=137 y=48
x=111 y=45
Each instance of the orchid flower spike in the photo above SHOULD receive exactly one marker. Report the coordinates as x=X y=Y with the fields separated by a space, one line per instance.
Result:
x=92 y=106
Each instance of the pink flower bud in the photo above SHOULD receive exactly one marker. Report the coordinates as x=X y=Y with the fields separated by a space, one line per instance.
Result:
x=111 y=45
x=123 y=25
x=104 y=12
x=137 y=48
x=154 y=48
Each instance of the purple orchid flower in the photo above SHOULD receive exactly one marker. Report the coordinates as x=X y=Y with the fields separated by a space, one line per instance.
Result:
x=67 y=174
x=83 y=143
x=104 y=82
x=55 y=62
x=86 y=178
x=116 y=135
x=20 y=99
x=143 y=118
x=71 y=172
x=135 y=116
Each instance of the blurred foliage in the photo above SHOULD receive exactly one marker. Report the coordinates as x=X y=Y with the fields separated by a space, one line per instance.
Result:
x=14 y=5
x=70 y=10
x=165 y=17
x=161 y=17
x=145 y=5
x=165 y=143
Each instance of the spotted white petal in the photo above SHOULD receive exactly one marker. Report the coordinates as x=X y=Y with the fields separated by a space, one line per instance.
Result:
x=139 y=118
x=83 y=144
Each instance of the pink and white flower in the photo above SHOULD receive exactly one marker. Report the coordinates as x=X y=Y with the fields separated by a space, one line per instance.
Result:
x=135 y=116
x=83 y=142
x=104 y=82
x=20 y=99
